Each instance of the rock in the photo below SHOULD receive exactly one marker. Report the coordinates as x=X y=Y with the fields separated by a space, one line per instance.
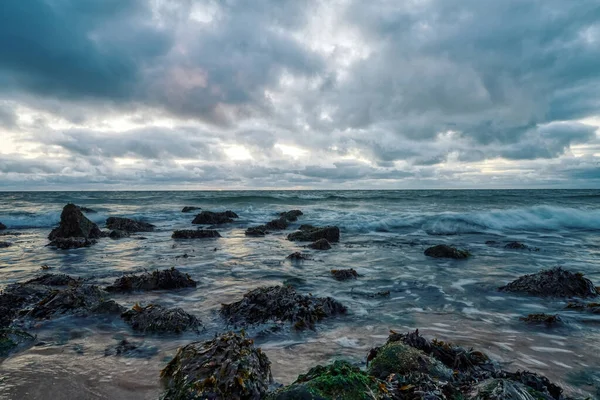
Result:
x=71 y=243
x=589 y=307
x=309 y=233
x=129 y=349
x=81 y=300
x=344 y=274
x=227 y=367
x=297 y=256
x=321 y=244
x=291 y=215
x=555 y=282
x=118 y=234
x=54 y=280
x=277 y=224
x=187 y=209
x=260 y=230
x=86 y=210
x=444 y=251
x=4 y=245
x=2 y=226
x=167 y=279
x=280 y=303
x=516 y=246
x=214 y=218
x=74 y=225
x=128 y=225
x=12 y=339
x=157 y=319
x=17 y=297
x=504 y=389
x=195 y=234
x=340 y=380
x=542 y=319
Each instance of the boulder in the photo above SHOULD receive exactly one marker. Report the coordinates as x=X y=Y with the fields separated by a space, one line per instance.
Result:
x=157 y=319
x=321 y=244
x=128 y=225
x=214 y=218
x=291 y=215
x=2 y=226
x=277 y=224
x=309 y=233
x=344 y=274
x=167 y=279
x=195 y=234
x=71 y=243
x=445 y=251
x=280 y=303
x=227 y=367
x=118 y=234
x=542 y=319
x=260 y=230
x=187 y=209
x=73 y=224
x=555 y=282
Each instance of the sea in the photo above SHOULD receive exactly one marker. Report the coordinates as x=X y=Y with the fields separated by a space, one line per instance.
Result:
x=383 y=237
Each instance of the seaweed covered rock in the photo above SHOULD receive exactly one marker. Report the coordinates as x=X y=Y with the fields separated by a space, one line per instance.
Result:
x=167 y=279
x=12 y=339
x=555 y=282
x=227 y=367
x=344 y=274
x=74 y=230
x=195 y=234
x=128 y=225
x=188 y=209
x=260 y=230
x=2 y=226
x=503 y=389
x=54 y=280
x=321 y=244
x=542 y=319
x=291 y=215
x=81 y=300
x=277 y=224
x=308 y=233
x=214 y=218
x=593 y=307
x=118 y=234
x=157 y=319
x=340 y=380
x=280 y=303
x=445 y=251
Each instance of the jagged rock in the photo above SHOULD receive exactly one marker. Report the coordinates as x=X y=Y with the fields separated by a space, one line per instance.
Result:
x=340 y=380
x=280 y=303
x=344 y=274
x=260 y=230
x=444 y=251
x=195 y=234
x=309 y=233
x=11 y=339
x=291 y=215
x=128 y=225
x=321 y=244
x=187 y=209
x=74 y=230
x=277 y=224
x=86 y=210
x=2 y=226
x=118 y=234
x=297 y=256
x=129 y=349
x=17 y=297
x=503 y=389
x=214 y=218
x=79 y=300
x=167 y=279
x=541 y=319
x=5 y=244
x=555 y=282
x=157 y=319
x=515 y=246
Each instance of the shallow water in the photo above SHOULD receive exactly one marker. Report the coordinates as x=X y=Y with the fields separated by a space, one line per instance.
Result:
x=384 y=234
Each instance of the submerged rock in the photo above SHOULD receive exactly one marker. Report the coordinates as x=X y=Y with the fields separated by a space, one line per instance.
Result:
x=541 y=319
x=340 y=380
x=555 y=282
x=291 y=215
x=589 y=307
x=118 y=234
x=129 y=349
x=445 y=251
x=260 y=230
x=227 y=367
x=187 y=209
x=54 y=280
x=128 y=225
x=195 y=234
x=321 y=244
x=516 y=246
x=344 y=274
x=504 y=389
x=71 y=243
x=297 y=256
x=5 y=244
x=74 y=230
x=157 y=319
x=12 y=339
x=308 y=233
x=277 y=224
x=280 y=303
x=214 y=218
x=2 y=226
x=80 y=300
x=157 y=280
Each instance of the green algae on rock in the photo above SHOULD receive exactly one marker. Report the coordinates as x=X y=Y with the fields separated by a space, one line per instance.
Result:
x=227 y=367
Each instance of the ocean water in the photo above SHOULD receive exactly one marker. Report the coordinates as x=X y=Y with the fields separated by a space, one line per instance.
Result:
x=384 y=234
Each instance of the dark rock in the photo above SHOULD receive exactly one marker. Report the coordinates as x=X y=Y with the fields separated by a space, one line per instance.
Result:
x=129 y=349
x=291 y=215
x=340 y=380
x=297 y=256
x=321 y=244
x=187 y=209
x=86 y=210
x=81 y=300
x=260 y=230
x=444 y=251
x=54 y=280
x=195 y=234
x=539 y=383
x=227 y=367
x=516 y=246
x=118 y=234
x=280 y=303
x=277 y=224
x=74 y=225
x=157 y=319
x=344 y=274
x=309 y=233
x=555 y=282
x=589 y=307
x=502 y=389
x=214 y=218
x=5 y=244
x=541 y=319
x=17 y=297
x=371 y=295
x=2 y=226
x=71 y=243
x=128 y=225
x=167 y=279
x=12 y=339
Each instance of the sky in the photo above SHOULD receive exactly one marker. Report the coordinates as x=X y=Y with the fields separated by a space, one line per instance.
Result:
x=289 y=94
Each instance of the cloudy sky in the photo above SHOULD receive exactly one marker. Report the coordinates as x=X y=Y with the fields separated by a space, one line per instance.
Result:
x=232 y=94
